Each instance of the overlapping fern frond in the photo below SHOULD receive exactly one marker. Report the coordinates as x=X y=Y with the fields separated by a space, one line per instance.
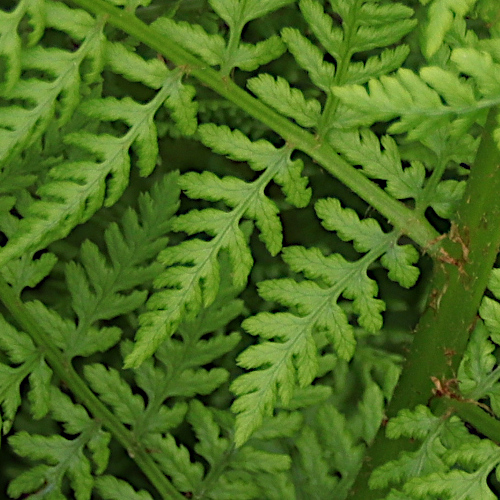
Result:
x=192 y=277
x=93 y=168
x=160 y=332
x=365 y=26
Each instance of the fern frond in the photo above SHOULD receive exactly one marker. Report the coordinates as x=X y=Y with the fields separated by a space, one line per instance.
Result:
x=63 y=457
x=111 y=488
x=11 y=41
x=76 y=190
x=175 y=375
x=329 y=455
x=484 y=457
x=441 y=15
x=292 y=357
x=435 y=433
x=310 y=57
x=286 y=99
x=59 y=91
x=28 y=362
x=380 y=159
x=478 y=374
x=28 y=272
x=141 y=328
x=241 y=474
x=97 y=289
x=365 y=26
x=193 y=276
x=417 y=101
x=214 y=50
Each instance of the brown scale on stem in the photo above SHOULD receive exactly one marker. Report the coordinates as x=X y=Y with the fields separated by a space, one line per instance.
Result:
x=449 y=388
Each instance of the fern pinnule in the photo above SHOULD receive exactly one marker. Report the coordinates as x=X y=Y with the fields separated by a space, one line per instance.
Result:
x=64 y=458
x=213 y=48
x=381 y=159
x=176 y=375
x=112 y=488
x=11 y=42
x=441 y=17
x=58 y=92
x=29 y=362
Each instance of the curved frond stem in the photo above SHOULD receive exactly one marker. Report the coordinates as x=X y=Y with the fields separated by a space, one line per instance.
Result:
x=63 y=369
x=401 y=217
x=473 y=414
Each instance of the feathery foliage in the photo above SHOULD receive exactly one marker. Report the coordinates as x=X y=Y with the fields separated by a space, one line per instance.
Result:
x=248 y=249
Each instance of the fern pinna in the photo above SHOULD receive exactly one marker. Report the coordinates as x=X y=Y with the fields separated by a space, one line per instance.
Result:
x=249 y=249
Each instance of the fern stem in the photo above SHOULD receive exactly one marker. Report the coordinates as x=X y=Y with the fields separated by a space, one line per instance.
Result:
x=65 y=371
x=401 y=217
x=332 y=101
x=473 y=414
x=459 y=280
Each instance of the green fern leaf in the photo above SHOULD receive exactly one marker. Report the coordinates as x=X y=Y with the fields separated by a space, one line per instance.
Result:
x=238 y=13
x=115 y=391
x=376 y=66
x=314 y=464
x=155 y=75
x=461 y=484
x=241 y=465
x=379 y=25
x=364 y=148
x=68 y=337
x=28 y=272
x=179 y=373
x=328 y=470
x=367 y=235
x=338 y=444
x=213 y=49
x=441 y=15
x=309 y=57
x=438 y=436
x=380 y=159
x=62 y=94
x=193 y=278
x=210 y=47
x=90 y=307
x=10 y=39
x=285 y=99
x=111 y=488
x=283 y=424
x=365 y=26
x=76 y=190
x=97 y=289
x=29 y=362
x=175 y=461
x=478 y=362
x=494 y=282
x=416 y=100
x=404 y=95
x=478 y=376
x=490 y=312
x=63 y=457
x=293 y=353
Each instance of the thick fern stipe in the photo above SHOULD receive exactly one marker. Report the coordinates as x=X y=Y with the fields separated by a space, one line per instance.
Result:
x=249 y=249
